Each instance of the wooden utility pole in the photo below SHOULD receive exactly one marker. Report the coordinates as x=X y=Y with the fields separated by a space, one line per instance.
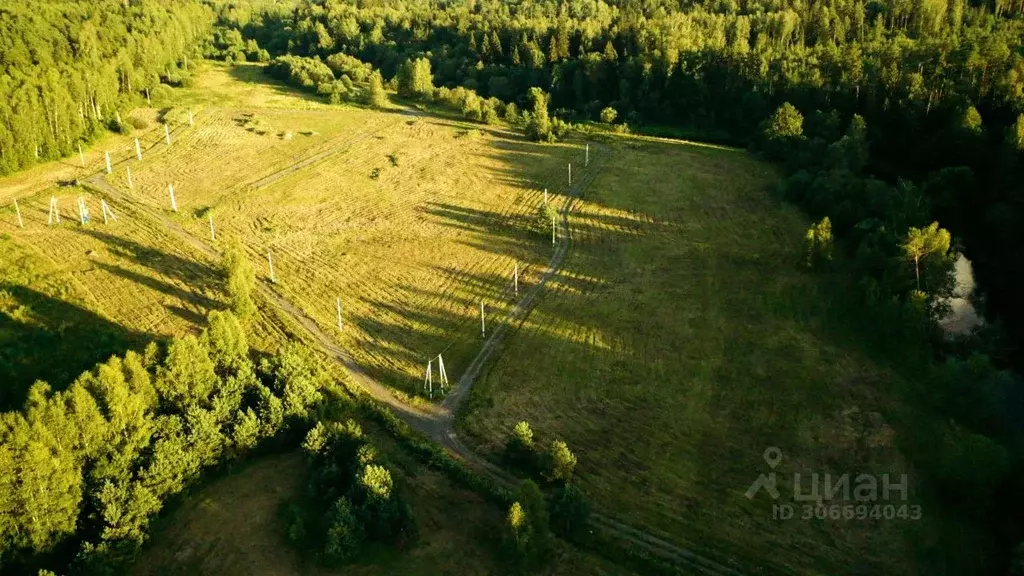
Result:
x=167 y=134
x=483 y=327
x=174 y=202
x=18 y=212
x=270 y=261
x=106 y=156
x=570 y=174
x=213 y=233
x=131 y=185
x=81 y=156
x=341 y=326
x=138 y=150
x=515 y=278
x=586 y=159
x=190 y=121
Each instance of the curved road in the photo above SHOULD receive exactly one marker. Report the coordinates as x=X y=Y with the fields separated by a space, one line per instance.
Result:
x=437 y=421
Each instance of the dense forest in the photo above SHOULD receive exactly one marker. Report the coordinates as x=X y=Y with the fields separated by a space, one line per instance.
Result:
x=67 y=68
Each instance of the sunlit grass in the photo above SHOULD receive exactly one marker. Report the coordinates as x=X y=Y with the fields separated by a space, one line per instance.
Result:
x=681 y=340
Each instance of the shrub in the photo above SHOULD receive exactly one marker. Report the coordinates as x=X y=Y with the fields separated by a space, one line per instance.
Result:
x=818 y=243
x=608 y=115
x=519 y=451
x=376 y=96
x=414 y=79
x=138 y=123
x=561 y=461
x=545 y=215
x=344 y=533
x=308 y=73
x=512 y=113
x=569 y=513
x=539 y=125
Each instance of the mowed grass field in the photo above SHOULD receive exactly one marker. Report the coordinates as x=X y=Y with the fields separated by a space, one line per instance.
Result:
x=680 y=340
x=234 y=527
x=412 y=221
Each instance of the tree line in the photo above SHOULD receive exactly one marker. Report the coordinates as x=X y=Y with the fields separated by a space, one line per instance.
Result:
x=68 y=68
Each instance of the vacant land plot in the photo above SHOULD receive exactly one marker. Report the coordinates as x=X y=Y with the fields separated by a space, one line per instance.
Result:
x=681 y=340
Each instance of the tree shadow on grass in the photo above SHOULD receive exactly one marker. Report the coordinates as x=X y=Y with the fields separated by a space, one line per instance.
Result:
x=43 y=338
x=201 y=277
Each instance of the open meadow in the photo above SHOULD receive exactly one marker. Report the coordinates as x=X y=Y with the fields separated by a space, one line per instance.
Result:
x=679 y=341
x=333 y=193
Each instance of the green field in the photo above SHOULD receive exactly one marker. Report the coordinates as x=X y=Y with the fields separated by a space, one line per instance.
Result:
x=680 y=340
x=449 y=213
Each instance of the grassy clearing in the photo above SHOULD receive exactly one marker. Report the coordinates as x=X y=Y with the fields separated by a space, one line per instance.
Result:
x=282 y=172
x=447 y=207
x=232 y=527
x=680 y=340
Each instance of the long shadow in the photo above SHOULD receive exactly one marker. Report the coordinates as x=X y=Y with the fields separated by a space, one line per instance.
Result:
x=43 y=338
x=196 y=274
x=169 y=289
x=691 y=355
